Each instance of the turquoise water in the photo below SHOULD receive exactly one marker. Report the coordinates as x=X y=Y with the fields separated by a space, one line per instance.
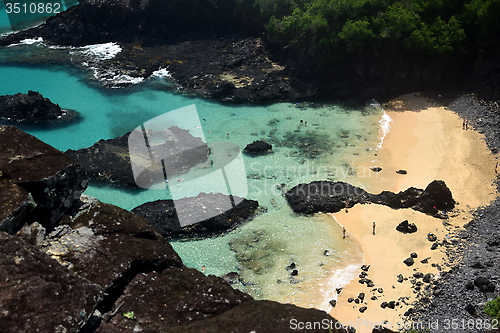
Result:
x=310 y=142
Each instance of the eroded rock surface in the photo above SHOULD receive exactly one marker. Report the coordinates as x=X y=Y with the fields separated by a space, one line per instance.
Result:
x=33 y=108
x=52 y=178
x=108 y=161
x=332 y=197
x=16 y=205
x=162 y=214
x=38 y=294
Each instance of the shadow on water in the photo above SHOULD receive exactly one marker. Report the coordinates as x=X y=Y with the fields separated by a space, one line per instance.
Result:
x=126 y=120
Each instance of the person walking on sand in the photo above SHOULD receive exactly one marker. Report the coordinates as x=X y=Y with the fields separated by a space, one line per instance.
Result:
x=343 y=232
x=463 y=125
x=346 y=205
x=374 y=228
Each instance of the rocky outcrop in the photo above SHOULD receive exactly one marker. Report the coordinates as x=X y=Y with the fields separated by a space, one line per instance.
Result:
x=16 y=205
x=38 y=294
x=53 y=179
x=203 y=297
x=162 y=214
x=332 y=197
x=33 y=108
x=325 y=196
x=257 y=148
x=152 y=22
x=108 y=161
x=214 y=49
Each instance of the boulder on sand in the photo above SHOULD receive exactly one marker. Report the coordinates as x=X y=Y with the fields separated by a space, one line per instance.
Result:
x=406 y=228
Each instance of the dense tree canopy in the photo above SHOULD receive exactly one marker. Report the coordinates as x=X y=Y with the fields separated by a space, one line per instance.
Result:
x=336 y=28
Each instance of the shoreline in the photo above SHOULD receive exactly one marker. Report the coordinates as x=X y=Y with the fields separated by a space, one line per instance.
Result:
x=419 y=129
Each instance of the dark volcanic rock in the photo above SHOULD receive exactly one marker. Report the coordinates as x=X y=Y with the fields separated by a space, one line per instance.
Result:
x=428 y=277
x=331 y=197
x=484 y=284
x=409 y=261
x=259 y=316
x=258 y=148
x=231 y=277
x=436 y=196
x=112 y=246
x=38 y=294
x=376 y=169
x=402 y=172
x=153 y=23
x=54 y=180
x=108 y=161
x=324 y=196
x=109 y=246
x=212 y=49
x=16 y=203
x=406 y=228
x=162 y=215
x=33 y=108
x=471 y=309
x=195 y=297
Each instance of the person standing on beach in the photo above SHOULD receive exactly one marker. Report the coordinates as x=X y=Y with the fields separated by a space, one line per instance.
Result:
x=463 y=125
x=374 y=228
x=343 y=232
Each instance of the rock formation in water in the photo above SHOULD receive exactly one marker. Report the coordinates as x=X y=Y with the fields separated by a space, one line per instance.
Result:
x=33 y=108
x=332 y=197
x=162 y=214
x=108 y=161
x=72 y=263
x=257 y=148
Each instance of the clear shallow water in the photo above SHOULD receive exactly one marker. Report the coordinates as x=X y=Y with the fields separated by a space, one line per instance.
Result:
x=309 y=143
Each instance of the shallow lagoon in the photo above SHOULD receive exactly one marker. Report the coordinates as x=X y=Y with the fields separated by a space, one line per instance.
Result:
x=310 y=142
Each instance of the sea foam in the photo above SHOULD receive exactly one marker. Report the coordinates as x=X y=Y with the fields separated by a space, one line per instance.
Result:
x=99 y=52
x=28 y=41
x=384 y=128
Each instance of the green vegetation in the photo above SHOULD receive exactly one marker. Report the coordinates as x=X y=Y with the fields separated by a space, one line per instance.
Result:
x=336 y=29
x=492 y=308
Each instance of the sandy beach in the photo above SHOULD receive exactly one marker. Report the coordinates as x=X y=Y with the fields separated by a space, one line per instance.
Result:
x=429 y=142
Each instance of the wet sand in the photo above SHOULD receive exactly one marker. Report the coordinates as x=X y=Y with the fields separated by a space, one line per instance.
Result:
x=428 y=142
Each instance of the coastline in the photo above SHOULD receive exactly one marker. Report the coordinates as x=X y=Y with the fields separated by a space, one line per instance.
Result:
x=419 y=129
